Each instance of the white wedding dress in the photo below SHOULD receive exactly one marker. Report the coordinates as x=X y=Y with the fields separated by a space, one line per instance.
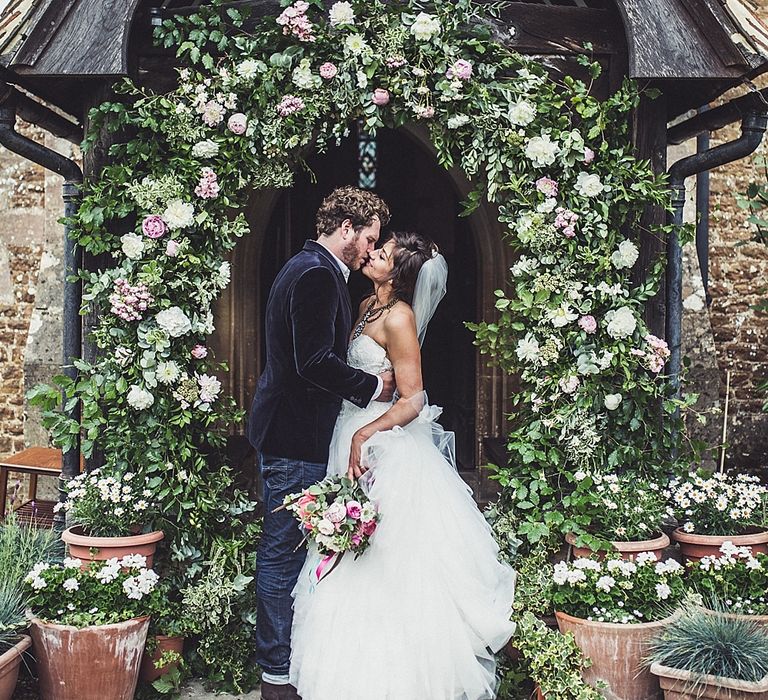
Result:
x=420 y=613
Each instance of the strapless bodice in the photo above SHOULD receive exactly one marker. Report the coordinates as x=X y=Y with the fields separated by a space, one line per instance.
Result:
x=366 y=354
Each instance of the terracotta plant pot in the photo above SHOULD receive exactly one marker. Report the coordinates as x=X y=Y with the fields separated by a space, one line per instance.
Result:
x=148 y=672
x=628 y=550
x=684 y=685
x=617 y=653
x=694 y=546
x=88 y=663
x=102 y=548
x=9 y=667
x=760 y=620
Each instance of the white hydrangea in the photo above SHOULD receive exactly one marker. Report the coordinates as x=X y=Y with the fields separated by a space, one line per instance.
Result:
x=621 y=322
x=588 y=184
x=425 y=26
x=541 y=150
x=132 y=245
x=522 y=113
x=303 y=77
x=341 y=13
x=179 y=214
x=173 y=321
x=205 y=149
x=626 y=255
x=139 y=398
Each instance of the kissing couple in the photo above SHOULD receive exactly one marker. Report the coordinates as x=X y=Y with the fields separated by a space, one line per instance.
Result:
x=421 y=613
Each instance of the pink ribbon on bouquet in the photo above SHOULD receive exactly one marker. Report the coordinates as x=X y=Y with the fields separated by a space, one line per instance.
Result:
x=324 y=563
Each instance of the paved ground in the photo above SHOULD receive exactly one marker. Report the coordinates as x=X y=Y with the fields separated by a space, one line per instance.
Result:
x=194 y=691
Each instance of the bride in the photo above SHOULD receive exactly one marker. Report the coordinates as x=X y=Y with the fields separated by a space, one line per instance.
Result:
x=420 y=614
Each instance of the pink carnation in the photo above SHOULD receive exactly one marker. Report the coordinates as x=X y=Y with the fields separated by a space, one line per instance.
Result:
x=547 y=186
x=328 y=71
x=199 y=352
x=237 y=123
x=588 y=324
x=380 y=97
x=153 y=226
x=172 y=248
x=589 y=155
x=461 y=69
x=289 y=105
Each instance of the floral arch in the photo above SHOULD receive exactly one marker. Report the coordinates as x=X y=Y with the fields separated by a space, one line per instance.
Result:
x=556 y=163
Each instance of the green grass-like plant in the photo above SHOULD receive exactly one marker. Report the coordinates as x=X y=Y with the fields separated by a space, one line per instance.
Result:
x=712 y=643
x=13 y=602
x=22 y=546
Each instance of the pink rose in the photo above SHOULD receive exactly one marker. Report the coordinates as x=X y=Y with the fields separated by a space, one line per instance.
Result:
x=588 y=324
x=199 y=352
x=153 y=226
x=369 y=528
x=172 y=248
x=356 y=539
x=380 y=97
x=547 y=186
x=237 y=123
x=336 y=512
x=328 y=71
x=589 y=155
x=354 y=509
x=461 y=69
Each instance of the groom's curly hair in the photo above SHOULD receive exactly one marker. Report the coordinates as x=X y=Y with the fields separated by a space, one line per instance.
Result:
x=411 y=251
x=359 y=206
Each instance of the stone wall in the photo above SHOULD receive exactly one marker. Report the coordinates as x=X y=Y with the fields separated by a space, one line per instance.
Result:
x=31 y=283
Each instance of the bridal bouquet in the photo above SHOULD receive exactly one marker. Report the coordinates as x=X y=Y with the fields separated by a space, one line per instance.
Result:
x=336 y=514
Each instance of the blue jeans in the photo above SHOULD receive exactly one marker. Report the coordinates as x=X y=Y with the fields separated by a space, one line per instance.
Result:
x=278 y=564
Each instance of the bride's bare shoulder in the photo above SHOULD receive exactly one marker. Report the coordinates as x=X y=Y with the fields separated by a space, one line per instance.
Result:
x=400 y=319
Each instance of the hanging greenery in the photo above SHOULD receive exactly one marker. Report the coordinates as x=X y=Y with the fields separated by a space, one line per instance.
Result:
x=250 y=104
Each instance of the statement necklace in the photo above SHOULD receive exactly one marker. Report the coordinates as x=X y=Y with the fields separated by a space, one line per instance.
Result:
x=371 y=314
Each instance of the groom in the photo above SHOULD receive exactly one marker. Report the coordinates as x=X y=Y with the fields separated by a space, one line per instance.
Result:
x=308 y=322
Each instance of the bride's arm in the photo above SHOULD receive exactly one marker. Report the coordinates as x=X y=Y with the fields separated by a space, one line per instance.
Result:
x=404 y=352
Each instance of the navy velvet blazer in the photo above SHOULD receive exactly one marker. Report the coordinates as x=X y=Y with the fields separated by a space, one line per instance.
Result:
x=298 y=396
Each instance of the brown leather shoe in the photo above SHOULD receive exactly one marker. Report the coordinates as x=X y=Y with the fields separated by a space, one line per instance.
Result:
x=290 y=693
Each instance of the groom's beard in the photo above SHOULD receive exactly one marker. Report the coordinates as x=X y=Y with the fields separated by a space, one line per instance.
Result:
x=351 y=257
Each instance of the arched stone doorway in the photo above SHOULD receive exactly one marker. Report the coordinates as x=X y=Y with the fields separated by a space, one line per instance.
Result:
x=424 y=197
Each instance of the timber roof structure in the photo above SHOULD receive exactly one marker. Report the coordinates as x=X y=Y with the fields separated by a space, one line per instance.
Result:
x=51 y=46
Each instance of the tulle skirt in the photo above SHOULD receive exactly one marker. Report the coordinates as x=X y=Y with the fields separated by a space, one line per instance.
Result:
x=419 y=615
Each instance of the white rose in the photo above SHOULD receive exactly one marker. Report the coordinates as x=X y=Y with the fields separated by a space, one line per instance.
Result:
x=425 y=26
x=325 y=527
x=612 y=401
x=133 y=245
x=528 y=349
x=341 y=13
x=173 y=321
x=522 y=113
x=626 y=255
x=139 y=398
x=179 y=214
x=457 y=121
x=589 y=185
x=547 y=205
x=205 y=149
x=541 y=150
x=621 y=322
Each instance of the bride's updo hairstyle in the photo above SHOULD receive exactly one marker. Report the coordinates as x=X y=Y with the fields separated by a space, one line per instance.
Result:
x=411 y=252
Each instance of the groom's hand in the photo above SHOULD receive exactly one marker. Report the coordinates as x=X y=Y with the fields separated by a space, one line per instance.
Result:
x=388 y=386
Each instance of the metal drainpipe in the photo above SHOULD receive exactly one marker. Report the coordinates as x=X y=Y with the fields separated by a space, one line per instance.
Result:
x=753 y=126
x=702 y=214
x=73 y=178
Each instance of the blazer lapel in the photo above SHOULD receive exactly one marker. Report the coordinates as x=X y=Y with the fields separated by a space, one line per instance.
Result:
x=341 y=283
